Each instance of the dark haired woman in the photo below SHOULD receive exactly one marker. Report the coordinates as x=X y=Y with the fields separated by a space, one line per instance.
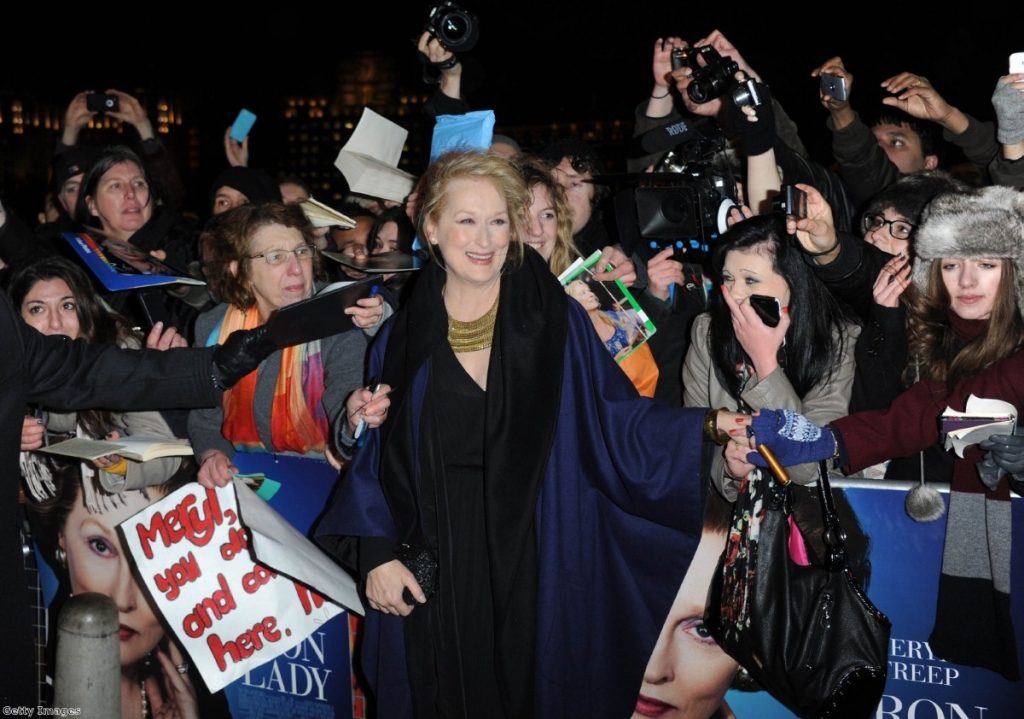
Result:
x=736 y=361
x=54 y=297
x=967 y=333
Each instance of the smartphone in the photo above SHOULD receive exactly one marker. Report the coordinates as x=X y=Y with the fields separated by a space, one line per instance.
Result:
x=791 y=200
x=100 y=103
x=1017 y=62
x=242 y=125
x=834 y=86
x=769 y=309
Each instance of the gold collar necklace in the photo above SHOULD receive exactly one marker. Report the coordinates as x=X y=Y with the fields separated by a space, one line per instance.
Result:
x=474 y=335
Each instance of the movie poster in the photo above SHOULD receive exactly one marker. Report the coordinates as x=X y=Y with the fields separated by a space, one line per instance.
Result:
x=689 y=676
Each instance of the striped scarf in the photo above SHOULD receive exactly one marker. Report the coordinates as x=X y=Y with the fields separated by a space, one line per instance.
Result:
x=298 y=420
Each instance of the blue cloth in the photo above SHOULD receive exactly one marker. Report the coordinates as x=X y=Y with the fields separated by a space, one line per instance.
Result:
x=617 y=522
x=468 y=131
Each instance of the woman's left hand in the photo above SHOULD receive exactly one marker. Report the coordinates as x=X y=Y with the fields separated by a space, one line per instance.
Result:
x=736 y=464
x=175 y=696
x=367 y=312
x=893 y=279
x=758 y=340
x=131 y=111
x=161 y=339
x=109 y=460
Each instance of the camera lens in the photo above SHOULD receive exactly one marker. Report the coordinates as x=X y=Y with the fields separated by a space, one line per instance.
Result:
x=109 y=102
x=700 y=90
x=453 y=27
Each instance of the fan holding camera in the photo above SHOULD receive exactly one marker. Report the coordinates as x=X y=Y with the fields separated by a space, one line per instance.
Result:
x=449 y=30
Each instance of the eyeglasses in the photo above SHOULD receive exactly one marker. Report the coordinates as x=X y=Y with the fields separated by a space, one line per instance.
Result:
x=900 y=229
x=276 y=257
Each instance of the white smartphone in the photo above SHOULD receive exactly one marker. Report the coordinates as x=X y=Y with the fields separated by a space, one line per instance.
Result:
x=1017 y=62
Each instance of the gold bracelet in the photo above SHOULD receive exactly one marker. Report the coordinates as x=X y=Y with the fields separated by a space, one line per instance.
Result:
x=711 y=431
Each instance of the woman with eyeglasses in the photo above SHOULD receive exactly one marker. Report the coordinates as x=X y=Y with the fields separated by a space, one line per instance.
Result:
x=258 y=259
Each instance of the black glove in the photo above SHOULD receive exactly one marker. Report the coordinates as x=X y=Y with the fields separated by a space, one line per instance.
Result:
x=758 y=137
x=1005 y=454
x=239 y=355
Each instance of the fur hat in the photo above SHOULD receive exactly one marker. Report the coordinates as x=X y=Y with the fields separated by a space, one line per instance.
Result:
x=987 y=222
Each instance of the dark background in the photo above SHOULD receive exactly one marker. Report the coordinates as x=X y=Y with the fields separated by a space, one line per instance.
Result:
x=539 y=62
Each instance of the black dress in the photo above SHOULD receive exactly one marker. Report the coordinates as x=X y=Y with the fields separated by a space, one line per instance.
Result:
x=450 y=640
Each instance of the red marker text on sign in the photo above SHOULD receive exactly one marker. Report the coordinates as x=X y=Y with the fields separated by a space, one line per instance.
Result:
x=197 y=524
x=309 y=599
x=178 y=575
x=255 y=579
x=245 y=645
x=238 y=541
x=210 y=609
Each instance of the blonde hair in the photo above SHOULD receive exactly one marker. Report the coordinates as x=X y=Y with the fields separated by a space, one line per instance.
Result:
x=471 y=164
x=539 y=172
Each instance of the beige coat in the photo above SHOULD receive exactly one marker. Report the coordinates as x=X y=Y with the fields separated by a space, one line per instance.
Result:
x=825 y=402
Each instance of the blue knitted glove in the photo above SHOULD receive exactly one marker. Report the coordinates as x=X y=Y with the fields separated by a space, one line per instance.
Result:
x=792 y=437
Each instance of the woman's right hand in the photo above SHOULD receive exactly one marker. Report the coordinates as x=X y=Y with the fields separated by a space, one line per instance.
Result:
x=175 y=696
x=32 y=431
x=216 y=469
x=758 y=340
x=661 y=65
x=386 y=584
x=371 y=406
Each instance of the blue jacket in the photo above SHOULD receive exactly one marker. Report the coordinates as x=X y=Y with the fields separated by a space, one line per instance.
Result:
x=617 y=522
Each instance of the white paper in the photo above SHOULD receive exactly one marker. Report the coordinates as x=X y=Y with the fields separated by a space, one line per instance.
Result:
x=228 y=612
x=282 y=547
x=961 y=439
x=369 y=160
x=321 y=215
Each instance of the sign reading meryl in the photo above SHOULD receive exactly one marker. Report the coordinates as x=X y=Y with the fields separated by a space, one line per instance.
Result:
x=229 y=611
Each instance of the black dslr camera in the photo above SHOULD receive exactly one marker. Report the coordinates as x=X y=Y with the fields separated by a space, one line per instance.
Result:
x=454 y=27
x=716 y=77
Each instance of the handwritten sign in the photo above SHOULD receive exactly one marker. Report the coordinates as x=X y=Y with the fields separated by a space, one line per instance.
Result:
x=229 y=611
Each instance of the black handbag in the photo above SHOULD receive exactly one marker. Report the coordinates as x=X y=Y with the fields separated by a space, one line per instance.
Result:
x=807 y=634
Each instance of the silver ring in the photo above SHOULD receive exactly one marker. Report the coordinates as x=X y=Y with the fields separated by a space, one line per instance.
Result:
x=182 y=668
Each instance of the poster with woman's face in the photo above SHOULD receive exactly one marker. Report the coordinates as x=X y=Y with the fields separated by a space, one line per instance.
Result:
x=96 y=562
x=76 y=523
x=688 y=676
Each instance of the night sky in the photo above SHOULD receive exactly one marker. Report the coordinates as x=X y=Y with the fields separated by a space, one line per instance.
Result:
x=541 y=61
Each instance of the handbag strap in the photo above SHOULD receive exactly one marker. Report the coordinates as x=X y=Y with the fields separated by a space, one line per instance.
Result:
x=833 y=535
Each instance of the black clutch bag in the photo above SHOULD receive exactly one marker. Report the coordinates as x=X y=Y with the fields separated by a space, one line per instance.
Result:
x=423 y=565
x=808 y=635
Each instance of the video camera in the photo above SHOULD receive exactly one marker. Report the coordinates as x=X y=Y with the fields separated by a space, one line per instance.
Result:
x=684 y=203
